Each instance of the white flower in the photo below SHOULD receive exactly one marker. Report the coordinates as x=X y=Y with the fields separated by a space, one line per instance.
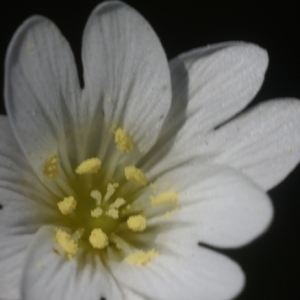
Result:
x=106 y=191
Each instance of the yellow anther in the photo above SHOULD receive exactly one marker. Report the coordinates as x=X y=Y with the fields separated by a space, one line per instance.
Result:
x=153 y=187
x=98 y=238
x=137 y=223
x=109 y=192
x=89 y=166
x=135 y=175
x=95 y=194
x=116 y=185
x=141 y=257
x=113 y=128
x=113 y=213
x=67 y=206
x=78 y=234
x=97 y=212
x=118 y=203
x=170 y=213
x=66 y=242
x=50 y=168
x=165 y=198
x=123 y=140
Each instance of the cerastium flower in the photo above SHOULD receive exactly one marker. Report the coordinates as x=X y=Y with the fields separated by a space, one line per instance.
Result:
x=107 y=190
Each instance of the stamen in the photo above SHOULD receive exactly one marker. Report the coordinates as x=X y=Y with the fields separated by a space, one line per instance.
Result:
x=141 y=257
x=118 y=203
x=113 y=212
x=116 y=185
x=135 y=175
x=67 y=206
x=76 y=236
x=64 y=185
x=165 y=198
x=97 y=212
x=50 y=168
x=95 y=194
x=66 y=242
x=123 y=140
x=109 y=192
x=89 y=166
x=153 y=187
x=170 y=213
x=98 y=238
x=137 y=223
x=120 y=243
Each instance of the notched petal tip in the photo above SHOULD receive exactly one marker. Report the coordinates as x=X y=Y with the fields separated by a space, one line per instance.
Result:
x=109 y=5
x=40 y=71
x=136 y=80
x=19 y=37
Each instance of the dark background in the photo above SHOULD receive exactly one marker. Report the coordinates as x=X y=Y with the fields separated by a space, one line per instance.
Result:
x=272 y=262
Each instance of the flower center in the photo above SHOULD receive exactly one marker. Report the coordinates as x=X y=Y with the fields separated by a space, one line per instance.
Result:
x=96 y=214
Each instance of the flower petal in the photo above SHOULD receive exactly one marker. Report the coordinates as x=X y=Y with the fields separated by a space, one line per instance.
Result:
x=18 y=220
x=42 y=91
x=220 y=82
x=190 y=272
x=12 y=258
x=126 y=70
x=16 y=175
x=216 y=82
x=209 y=86
x=216 y=205
x=46 y=270
x=264 y=143
x=131 y=295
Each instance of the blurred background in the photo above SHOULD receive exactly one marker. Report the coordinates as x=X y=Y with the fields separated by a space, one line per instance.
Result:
x=272 y=262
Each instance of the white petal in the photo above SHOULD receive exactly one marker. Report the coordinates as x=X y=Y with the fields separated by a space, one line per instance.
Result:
x=42 y=91
x=12 y=258
x=131 y=295
x=189 y=273
x=217 y=206
x=18 y=219
x=218 y=82
x=16 y=175
x=263 y=143
x=126 y=70
x=209 y=86
x=56 y=277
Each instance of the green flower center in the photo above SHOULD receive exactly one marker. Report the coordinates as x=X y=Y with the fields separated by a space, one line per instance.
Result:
x=97 y=214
